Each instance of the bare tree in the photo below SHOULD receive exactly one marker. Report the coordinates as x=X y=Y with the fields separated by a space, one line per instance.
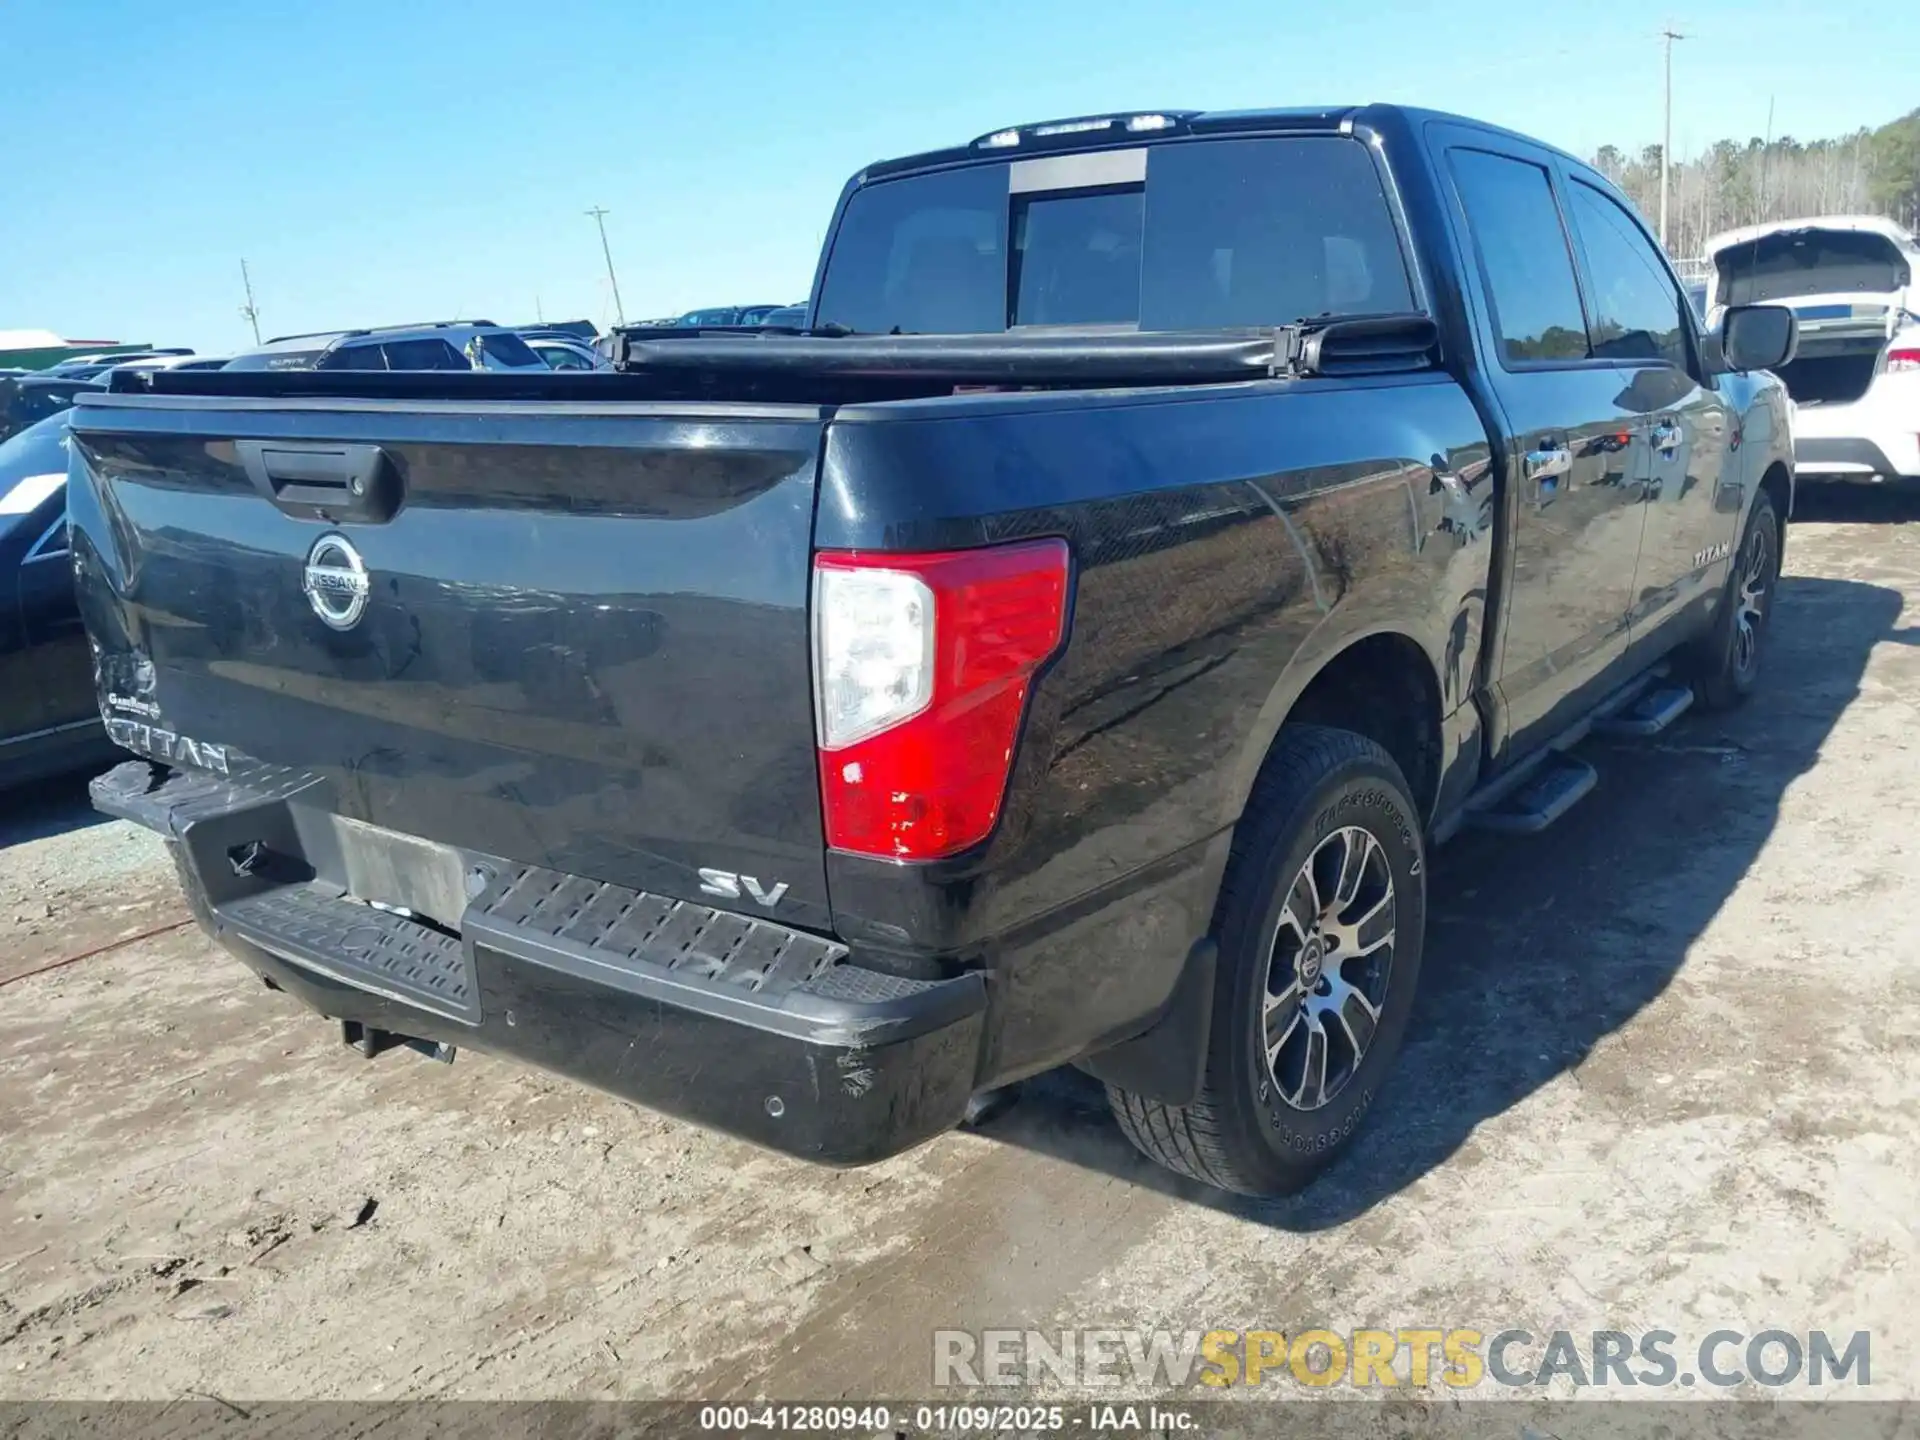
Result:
x=1730 y=184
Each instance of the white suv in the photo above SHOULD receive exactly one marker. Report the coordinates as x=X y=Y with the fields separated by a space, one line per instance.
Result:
x=1856 y=380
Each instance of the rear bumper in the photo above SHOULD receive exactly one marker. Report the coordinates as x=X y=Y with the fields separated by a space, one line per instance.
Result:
x=1874 y=439
x=768 y=1033
x=1856 y=459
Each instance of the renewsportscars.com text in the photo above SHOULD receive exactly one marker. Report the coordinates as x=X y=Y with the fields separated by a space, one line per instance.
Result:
x=1413 y=1358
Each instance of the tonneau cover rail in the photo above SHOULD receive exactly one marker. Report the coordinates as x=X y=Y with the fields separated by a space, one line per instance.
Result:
x=1046 y=358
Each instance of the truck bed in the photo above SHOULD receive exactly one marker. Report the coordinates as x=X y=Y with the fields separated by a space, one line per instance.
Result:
x=585 y=644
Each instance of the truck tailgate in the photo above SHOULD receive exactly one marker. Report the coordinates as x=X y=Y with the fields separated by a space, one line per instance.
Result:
x=573 y=636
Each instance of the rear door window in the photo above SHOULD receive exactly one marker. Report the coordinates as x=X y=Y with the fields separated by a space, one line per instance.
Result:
x=1221 y=234
x=355 y=357
x=423 y=355
x=1524 y=257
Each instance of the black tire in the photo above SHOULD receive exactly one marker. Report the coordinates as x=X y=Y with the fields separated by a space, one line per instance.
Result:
x=1725 y=667
x=1242 y=1132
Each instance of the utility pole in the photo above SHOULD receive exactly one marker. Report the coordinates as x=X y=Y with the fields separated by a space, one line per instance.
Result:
x=1669 y=35
x=599 y=215
x=1766 y=155
x=249 y=310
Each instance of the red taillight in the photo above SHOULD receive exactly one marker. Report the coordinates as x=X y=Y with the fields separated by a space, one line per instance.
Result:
x=921 y=666
x=1905 y=358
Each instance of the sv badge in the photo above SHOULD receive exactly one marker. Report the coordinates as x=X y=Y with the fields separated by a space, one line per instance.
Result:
x=729 y=886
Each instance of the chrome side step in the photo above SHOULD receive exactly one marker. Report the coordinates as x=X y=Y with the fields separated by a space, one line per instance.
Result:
x=1542 y=788
x=1651 y=712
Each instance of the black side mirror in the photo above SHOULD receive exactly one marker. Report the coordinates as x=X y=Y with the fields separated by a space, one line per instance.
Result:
x=1759 y=337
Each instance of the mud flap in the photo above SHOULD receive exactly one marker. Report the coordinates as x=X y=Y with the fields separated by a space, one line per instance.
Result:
x=1165 y=1061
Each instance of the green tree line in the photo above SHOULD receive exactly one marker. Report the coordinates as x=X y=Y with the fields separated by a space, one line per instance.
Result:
x=1732 y=183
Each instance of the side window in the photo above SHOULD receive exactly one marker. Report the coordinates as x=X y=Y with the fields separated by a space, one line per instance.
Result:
x=1636 y=310
x=424 y=355
x=355 y=357
x=1523 y=253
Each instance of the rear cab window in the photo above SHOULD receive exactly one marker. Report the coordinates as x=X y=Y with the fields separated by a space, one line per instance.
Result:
x=1200 y=234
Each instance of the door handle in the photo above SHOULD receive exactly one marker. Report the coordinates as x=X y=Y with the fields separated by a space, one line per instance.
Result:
x=1546 y=463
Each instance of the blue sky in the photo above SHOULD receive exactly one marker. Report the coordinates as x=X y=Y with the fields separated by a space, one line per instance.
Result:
x=380 y=162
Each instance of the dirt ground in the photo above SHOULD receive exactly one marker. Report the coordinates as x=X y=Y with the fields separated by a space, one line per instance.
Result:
x=1665 y=1073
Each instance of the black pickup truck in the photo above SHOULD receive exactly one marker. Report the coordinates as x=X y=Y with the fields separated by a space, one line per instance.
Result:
x=1064 y=651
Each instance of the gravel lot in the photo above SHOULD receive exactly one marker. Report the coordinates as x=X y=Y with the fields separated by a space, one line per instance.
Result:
x=1665 y=1073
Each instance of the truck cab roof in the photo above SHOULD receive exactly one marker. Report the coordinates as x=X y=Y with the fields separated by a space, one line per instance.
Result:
x=1134 y=127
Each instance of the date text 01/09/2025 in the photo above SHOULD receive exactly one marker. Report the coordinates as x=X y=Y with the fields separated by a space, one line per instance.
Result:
x=945 y=1419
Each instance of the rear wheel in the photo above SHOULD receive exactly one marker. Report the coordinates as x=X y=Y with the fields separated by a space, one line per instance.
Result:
x=1728 y=666
x=1320 y=925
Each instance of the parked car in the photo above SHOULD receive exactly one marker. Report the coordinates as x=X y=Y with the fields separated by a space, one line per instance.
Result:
x=564 y=352
x=754 y=314
x=1856 y=379
x=787 y=317
x=451 y=345
x=32 y=398
x=88 y=367
x=1069 y=660
x=49 y=713
x=187 y=361
x=584 y=331
x=714 y=317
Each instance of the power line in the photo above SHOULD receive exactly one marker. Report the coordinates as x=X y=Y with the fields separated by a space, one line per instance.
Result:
x=599 y=214
x=1668 y=35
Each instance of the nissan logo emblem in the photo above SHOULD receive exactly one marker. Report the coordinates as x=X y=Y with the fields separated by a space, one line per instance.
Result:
x=335 y=582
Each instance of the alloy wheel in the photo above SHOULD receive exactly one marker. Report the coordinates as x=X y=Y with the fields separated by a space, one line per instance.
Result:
x=1750 y=608
x=1328 y=968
